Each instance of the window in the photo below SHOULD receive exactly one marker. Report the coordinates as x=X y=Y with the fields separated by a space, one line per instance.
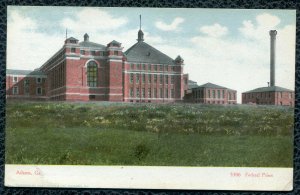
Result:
x=149 y=78
x=92 y=74
x=137 y=92
x=131 y=78
x=26 y=86
x=208 y=93
x=223 y=94
x=73 y=50
x=161 y=67
x=172 y=79
x=137 y=66
x=131 y=66
x=213 y=93
x=161 y=93
x=143 y=92
x=149 y=66
x=38 y=80
x=173 y=68
x=155 y=92
x=82 y=52
x=144 y=67
x=93 y=53
x=219 y=95
x=280 y=94
x=155 y=67
x=172 y=93
x=15 y=90
x=167 y=79
x=116 y=53
x=131 y=92
x=166 y=67
x=144 y=78
x=39 y=91
x=92 y=97
x=161 y=79
x=149 y=92
x=155 y=78
x=229 y=96
x=15 y=79
x=101 y=53
x=167 y=93
x=137 y=78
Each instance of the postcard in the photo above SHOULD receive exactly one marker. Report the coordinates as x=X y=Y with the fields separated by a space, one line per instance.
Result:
x=150 y=98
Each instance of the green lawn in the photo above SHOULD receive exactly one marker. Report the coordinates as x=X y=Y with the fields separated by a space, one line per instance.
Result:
x=148 y=134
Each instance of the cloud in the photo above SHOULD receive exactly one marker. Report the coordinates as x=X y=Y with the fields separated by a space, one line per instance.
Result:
x=256 y=29
x=93 y=20
x=215 y=30
x=169 y=27
x=26 y=47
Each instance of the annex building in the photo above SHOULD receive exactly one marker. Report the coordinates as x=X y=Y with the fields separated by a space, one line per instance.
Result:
x=88 y=71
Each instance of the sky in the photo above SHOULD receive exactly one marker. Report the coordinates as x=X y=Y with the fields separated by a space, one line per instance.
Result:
x=227 y=47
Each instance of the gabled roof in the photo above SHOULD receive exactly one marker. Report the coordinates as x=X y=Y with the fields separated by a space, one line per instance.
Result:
x=192 y=84
x=145 y=53
x=23 y=72
x=211 y=85
x=268 y=89
x=115 y=42
x=91 y=44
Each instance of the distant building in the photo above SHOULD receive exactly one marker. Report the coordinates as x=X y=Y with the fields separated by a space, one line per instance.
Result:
x=210 y=93
x=271 y=95
x=25 y=84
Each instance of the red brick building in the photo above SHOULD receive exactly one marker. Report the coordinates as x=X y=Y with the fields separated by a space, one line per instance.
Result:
x=210 y=93
x=87 y=71
x=271 y=95
x=24 y=84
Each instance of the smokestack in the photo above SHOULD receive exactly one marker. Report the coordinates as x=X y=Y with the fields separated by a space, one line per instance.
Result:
x=273 y=34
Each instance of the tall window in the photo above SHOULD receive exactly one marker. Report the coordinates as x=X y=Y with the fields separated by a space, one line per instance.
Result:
x=137 y=78
x=167 y=93
x=149 y=78
x=229 y=96
x=149 y=92
x=131 y=78
x=39 y=91
x=26 y=86
x=213 y=93
x=155 y=78
x=155 y=92
x=131 y=66
x=208 y=93
x=15 y=90
x=219 y=95
x=143 y=78
x=92 y=74
x=161 y=93
x=172 y=79
x=161 y=79
x=172 y=93
x=15 y=79
x=131 y=92
x=143 y=92
x=155 y=67
x=149 y=66
x=137 y=92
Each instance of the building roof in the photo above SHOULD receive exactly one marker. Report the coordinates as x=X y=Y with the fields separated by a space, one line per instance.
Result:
x=72 y=38
x=211 y=85
x=115 y=42
x=268 y=89
x=23 y=72
x=145 y=53
x=91 y=44
x=192 y=84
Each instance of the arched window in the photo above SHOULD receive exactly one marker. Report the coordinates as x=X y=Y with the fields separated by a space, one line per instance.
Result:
x=92 y=74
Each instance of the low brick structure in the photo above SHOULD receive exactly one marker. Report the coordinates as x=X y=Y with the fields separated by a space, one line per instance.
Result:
x=272 y=95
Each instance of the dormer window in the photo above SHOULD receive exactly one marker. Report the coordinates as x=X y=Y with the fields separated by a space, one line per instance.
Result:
x=15 y=79
x=38 y=80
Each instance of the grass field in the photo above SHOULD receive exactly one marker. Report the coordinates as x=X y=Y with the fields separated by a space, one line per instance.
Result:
x=148 y=134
